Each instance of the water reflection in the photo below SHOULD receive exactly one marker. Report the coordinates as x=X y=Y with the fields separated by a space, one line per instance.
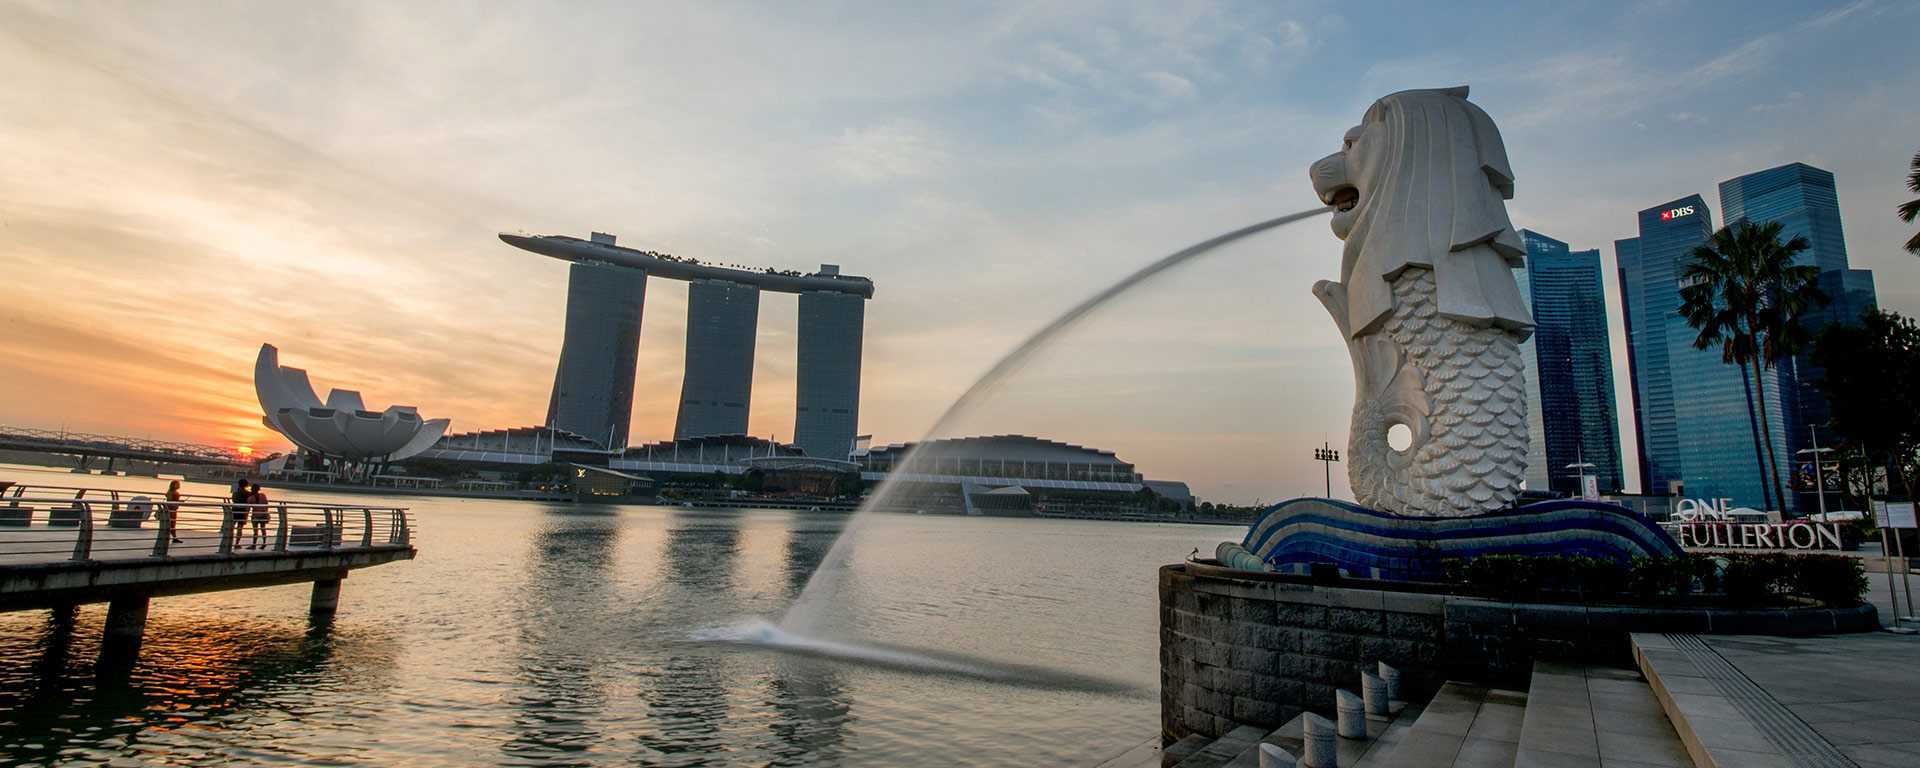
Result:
x=686 y=692
x=203 y=689
x=562 y=610
x=808 y=542
x=811 y=711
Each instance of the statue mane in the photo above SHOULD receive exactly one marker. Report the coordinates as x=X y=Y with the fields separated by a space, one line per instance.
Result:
x=1433 y=177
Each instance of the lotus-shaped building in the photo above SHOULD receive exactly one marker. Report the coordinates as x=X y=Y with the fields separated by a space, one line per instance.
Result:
x=341 y=427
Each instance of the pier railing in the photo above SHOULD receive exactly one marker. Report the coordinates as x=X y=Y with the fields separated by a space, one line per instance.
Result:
x=40 y=523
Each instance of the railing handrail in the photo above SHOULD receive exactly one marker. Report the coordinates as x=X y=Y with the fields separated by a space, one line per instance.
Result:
x=119 y=497
x=273 y=526
x=192 y=503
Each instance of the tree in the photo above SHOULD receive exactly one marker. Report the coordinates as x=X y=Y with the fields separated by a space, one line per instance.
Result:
x=1744 y=292
x=1872 y=371
x=1911 y=208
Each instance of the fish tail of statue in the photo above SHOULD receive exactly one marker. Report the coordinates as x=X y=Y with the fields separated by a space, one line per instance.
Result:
x=1458 y=389
x=1428 y=305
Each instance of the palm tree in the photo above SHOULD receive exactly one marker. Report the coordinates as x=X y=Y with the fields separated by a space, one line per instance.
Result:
x=1911 y=208
x=1744 y=292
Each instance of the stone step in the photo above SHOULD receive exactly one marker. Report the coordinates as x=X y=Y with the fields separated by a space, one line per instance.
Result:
x=1381 y=733
x=1590 y=716
x=1183 y=749
x=1464 y=725
x=1225 y=748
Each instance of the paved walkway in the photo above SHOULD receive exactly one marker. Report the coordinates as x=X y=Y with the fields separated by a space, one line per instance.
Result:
x=1749 y=700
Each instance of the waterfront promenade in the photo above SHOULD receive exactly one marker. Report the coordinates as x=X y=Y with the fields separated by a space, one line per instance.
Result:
x=63 y=546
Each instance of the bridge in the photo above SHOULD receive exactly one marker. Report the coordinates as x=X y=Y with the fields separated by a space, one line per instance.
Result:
x=87 y=447
x=61 y=546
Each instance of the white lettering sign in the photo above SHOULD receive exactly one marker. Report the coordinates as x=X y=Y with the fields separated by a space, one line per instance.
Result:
x=1673 y=213
x=1758 y=535
x=1691 y=510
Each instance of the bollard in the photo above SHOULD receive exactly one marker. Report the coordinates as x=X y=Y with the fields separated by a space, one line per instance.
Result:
x=1349 y=716
x=1272 y=756
x=1317 y=747
x=1373 y=691
x=1391 y=677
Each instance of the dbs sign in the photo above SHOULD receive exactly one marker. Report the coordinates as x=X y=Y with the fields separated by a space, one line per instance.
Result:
x=1673 y=213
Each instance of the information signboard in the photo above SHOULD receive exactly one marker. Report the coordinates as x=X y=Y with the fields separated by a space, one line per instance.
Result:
x=1894 y=514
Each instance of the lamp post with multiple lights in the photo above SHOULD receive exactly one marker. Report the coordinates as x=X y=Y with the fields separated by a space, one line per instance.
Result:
x=1326 y=455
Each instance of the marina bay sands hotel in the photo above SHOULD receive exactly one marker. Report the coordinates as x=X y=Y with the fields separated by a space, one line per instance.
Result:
x=606 y=288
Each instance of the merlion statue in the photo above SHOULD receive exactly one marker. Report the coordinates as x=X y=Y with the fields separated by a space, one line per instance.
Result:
x=1428 y=305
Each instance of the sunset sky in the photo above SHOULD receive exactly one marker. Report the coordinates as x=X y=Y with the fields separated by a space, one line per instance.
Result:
x=180 y=182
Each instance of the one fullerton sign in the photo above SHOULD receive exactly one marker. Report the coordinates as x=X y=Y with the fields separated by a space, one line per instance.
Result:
x=1710 y=523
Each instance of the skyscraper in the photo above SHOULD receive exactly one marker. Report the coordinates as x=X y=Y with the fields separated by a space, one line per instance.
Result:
x=827 y=382
x=593 y=384
x=1574 y=363
x=1697 y=414
x=1803 y=200
x=717 y=390
x=1539 y=470
x=1626 y=253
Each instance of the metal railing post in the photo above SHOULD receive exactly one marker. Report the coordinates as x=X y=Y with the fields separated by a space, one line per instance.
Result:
x=83 y=543
x=280 y=538
x=326 y=529
x=226 y=528
x=366 y=531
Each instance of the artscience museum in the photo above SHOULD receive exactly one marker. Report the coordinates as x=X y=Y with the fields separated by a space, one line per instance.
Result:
x=341 y=427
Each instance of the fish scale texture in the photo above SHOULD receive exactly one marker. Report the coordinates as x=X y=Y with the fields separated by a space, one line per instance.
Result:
x=1470 y=453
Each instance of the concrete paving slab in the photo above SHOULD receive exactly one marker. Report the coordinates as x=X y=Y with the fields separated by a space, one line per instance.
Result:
x=1825 y=702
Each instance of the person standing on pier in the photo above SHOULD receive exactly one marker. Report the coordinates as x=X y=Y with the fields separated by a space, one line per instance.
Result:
x=172 y=510
x=260 y=517
x=242 y=495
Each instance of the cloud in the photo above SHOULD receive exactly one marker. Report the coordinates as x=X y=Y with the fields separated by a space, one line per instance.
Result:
x=1838 y=14
x=1170 y=85
x=889 y=150
x=1792 y=100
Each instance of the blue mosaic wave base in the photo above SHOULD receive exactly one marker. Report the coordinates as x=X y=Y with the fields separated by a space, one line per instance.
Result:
x=1368 y=543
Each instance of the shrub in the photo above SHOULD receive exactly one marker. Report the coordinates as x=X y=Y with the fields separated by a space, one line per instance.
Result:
x=1834 y=580
x=1749 y=580
x=1742 y=580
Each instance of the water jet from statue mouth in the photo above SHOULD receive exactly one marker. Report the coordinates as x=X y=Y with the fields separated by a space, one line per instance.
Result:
x=766 y=635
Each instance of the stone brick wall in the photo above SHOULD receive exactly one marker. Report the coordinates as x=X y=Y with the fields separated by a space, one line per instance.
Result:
x=1245 y=652
x=1257 y=649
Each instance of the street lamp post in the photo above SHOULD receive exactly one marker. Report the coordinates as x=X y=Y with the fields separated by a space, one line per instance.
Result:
x=1582 y=470
x=1326 y=455
x=1819 y=479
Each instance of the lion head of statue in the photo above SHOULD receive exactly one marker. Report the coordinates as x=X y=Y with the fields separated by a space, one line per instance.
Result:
x=1425 y=173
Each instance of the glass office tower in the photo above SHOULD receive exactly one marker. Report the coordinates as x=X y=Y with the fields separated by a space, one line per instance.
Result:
x=1697 y=413
x=1539 y=470
x=1803 y=200
x=1626 y=256
x=1574 y=363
